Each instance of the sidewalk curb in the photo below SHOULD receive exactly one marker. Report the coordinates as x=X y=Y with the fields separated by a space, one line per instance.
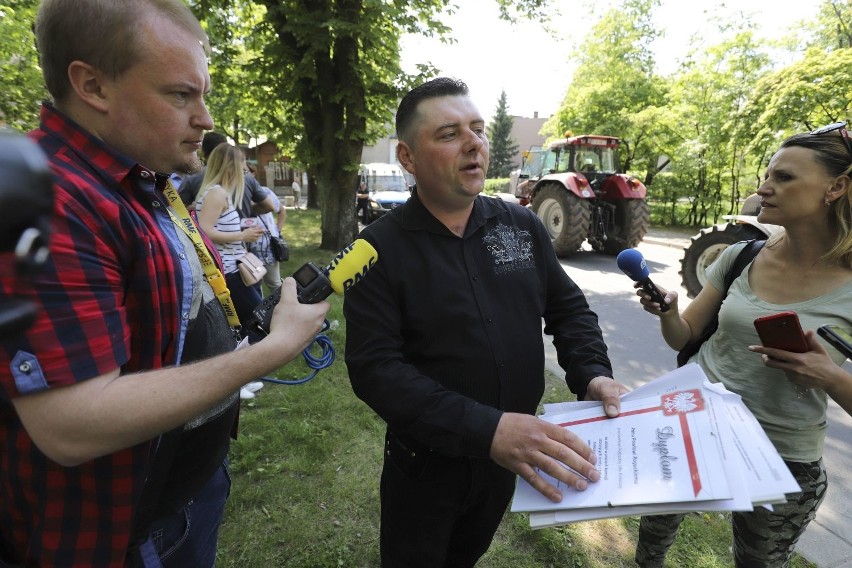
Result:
x=673 y=242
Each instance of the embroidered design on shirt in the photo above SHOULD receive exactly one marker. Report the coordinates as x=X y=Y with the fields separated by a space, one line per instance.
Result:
x=510 y=248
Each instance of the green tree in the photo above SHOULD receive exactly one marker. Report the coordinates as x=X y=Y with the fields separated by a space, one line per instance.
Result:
x=239 y=95
x=614 y=82
x=711 y=91
x=333 y=70
x=341 y=74
x=803 y=95
x=832 y=27
x=503 y=148
x=23 y=87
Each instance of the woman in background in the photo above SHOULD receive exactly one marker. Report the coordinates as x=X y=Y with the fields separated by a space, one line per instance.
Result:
x=222 y=186
x=272 y=224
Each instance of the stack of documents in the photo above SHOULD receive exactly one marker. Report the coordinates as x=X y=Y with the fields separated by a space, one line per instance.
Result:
x=680 y=444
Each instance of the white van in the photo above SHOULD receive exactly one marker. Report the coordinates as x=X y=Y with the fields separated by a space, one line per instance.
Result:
x=387 y=186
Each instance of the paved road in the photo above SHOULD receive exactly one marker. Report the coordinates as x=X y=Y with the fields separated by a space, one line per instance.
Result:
x=639 y=355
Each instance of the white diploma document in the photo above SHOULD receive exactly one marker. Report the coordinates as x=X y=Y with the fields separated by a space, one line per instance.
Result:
x=680 y=444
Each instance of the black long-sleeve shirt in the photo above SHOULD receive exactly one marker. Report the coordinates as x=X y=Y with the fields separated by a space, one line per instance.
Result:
x=444 y=333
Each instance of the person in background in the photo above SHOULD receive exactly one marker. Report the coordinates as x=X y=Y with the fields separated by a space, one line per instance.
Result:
x=441 y=345
x=297 y=193
x=256 y=198
x=362 y=202
x=221 y=187
x=118 y=403
x=273 y=226
x=806 y=268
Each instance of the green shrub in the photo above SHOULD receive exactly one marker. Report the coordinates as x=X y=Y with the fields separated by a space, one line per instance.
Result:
x=496 y=185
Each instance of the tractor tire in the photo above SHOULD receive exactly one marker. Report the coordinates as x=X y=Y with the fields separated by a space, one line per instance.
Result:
x=632 y=220
x=705 y=248
x=565 y=216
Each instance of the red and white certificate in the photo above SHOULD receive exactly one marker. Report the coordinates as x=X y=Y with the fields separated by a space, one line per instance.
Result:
x=673 y=448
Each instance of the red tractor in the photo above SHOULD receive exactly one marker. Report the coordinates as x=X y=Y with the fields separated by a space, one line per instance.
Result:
x=575 y=187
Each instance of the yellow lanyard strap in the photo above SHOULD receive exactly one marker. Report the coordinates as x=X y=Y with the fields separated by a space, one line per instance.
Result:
x=211 y=272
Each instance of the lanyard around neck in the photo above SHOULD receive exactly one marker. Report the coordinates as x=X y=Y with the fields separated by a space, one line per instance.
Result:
x=211 y=272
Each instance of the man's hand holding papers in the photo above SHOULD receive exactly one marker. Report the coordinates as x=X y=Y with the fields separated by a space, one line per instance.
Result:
x=539 y=452
x=679 y=444
x=546 y=455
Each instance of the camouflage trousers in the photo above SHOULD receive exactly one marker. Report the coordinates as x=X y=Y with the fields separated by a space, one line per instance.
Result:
x=762 y=538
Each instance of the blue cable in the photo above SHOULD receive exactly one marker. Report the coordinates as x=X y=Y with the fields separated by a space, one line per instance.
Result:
x=325 y=359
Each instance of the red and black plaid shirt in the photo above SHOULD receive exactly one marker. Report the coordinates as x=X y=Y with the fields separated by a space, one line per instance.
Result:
x=113 y=295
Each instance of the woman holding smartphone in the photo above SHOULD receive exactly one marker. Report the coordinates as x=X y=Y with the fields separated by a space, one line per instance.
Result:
x=807 y=269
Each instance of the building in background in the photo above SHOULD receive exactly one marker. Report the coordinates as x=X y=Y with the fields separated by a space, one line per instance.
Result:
x=275 y=172
x=525 y=132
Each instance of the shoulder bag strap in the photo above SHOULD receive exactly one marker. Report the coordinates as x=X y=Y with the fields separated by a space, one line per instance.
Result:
x=265 y=226
x=745 y=256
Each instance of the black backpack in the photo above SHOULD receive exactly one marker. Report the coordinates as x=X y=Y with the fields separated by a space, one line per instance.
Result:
x=743 y=258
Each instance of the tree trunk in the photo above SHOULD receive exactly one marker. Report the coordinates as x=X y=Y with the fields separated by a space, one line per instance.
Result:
x=236 y=134
x=333 y=117
x=337 y=205
x=313 y=191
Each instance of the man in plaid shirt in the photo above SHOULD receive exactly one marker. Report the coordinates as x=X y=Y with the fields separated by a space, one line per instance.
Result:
x=130 y=342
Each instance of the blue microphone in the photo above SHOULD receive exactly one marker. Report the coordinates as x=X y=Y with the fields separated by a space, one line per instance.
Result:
x=632 y=263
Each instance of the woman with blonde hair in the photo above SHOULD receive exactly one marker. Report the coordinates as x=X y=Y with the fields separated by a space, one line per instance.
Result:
x=806 y=268
x=223 y=186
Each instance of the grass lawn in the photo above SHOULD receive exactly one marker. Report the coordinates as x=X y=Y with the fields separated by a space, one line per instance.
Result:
x=306 y=471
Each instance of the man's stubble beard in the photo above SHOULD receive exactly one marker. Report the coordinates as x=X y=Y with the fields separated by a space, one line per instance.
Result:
x=190 y=167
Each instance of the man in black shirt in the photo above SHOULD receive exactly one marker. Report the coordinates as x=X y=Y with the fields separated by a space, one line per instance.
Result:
x=444 y=342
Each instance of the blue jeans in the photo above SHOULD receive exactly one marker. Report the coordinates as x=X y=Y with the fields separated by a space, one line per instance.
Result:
x=188 y=538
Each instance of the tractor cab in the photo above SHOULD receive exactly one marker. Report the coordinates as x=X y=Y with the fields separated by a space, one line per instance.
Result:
x=576 y=186
x=586 y=154
x=594 y=156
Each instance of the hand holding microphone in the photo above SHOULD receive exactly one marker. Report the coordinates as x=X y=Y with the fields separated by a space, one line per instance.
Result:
x=315 y=284
x=633 y=264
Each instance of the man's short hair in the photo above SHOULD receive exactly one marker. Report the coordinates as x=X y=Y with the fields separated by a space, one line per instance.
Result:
x=103 y=33
x=210 y=141
x=407 y=111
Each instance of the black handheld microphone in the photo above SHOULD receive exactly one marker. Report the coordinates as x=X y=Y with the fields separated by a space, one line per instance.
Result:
x=632 y=263
x=315 y=284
